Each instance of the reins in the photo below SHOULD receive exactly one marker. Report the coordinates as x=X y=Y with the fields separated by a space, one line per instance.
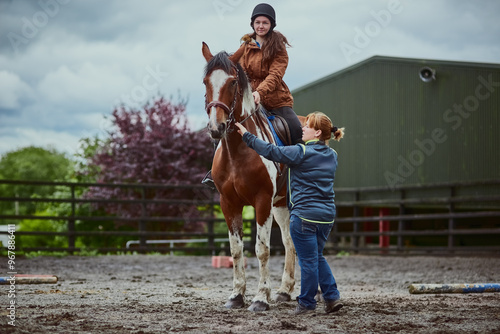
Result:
x=251 y=114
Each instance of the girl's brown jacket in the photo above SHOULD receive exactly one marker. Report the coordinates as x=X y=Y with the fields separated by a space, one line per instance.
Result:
x=265 y=77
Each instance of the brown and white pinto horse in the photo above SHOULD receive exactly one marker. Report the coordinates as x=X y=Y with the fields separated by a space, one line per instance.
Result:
x=242 y=177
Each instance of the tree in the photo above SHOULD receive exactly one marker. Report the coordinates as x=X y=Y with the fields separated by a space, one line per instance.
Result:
x=150 y=145
x=85 y=171
x=31 y=164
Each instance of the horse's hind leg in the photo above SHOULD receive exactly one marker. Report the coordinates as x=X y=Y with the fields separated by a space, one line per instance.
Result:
x=282 y=217
x=262 y=249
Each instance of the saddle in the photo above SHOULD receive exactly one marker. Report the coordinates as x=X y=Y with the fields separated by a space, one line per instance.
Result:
x=279 y=127
x=281 y=133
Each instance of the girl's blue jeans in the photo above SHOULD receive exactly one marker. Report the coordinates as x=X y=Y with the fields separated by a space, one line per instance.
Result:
x=309 y=240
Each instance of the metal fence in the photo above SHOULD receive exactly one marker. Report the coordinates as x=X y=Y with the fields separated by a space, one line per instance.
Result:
x=440 y=218
x=459 y=217
x=142 y=239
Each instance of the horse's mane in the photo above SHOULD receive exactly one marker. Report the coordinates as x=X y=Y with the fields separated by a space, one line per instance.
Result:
x=221 y=61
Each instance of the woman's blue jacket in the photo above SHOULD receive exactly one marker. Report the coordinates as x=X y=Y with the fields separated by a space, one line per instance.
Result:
x=311 y=175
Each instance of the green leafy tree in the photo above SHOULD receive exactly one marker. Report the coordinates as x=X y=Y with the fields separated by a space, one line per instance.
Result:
x=31 y=164
x=34 y=164
x=85 y=170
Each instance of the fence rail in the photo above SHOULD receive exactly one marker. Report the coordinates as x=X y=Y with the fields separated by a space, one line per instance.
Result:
x=458 y=217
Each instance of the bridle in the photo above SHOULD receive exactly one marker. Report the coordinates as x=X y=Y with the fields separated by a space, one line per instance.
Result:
x=229 y=110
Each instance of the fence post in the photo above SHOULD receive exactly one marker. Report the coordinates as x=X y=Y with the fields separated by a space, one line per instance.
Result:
x=210 y=227
x=355 y=224
x=401 y=223
x=383 y=240
x=451 y=220
x=335 y=239
x=71 y=222
x=142 y=222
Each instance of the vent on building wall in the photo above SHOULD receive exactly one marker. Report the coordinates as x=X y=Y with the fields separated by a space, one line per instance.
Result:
x=427 y=74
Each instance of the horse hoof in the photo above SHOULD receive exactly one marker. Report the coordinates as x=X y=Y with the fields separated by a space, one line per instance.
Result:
x=283 y=297
x=236 y=302
x=259 y=307
x=319 y=297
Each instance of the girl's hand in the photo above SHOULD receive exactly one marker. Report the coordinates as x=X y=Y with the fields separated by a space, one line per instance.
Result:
x=241 y=128
x=256 y=97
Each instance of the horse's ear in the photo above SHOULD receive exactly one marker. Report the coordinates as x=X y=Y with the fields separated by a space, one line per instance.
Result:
x=206 y=51
x=235 y=57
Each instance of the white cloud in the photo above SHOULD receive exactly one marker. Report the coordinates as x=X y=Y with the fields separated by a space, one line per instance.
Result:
x=92 y=55
x=12 y=90
x=87 y=83
x=23 y=137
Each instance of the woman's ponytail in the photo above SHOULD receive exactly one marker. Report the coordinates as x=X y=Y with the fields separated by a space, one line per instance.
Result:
x=338 y=133
x=320 y=121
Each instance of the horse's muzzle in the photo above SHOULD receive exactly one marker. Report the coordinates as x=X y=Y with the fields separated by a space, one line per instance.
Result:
x=218 y=132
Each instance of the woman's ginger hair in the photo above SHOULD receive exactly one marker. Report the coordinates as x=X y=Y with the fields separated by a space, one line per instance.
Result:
x=319 y=121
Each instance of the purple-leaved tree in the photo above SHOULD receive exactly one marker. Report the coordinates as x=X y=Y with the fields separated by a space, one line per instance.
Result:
x=152 y=145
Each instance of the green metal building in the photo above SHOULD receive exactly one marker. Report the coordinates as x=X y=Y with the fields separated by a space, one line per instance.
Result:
x=421 y=145
x=411 y=121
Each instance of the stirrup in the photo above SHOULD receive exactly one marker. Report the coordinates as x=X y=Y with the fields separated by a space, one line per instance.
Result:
x=207 y=180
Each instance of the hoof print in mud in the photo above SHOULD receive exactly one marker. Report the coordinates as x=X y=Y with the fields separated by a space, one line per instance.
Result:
x=258 y=307
x=236 y=302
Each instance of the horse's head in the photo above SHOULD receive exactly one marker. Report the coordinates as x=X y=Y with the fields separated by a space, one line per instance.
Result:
x=226 y=87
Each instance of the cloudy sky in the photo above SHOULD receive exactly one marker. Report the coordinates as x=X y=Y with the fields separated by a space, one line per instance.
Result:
x=65 y=64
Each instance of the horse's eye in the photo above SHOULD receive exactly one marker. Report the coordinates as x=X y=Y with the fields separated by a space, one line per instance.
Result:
x=234 y=83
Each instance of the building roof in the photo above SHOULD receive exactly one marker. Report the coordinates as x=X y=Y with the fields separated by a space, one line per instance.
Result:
x=389 y=59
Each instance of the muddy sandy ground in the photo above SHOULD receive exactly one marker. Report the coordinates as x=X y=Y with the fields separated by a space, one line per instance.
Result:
x=165 y=294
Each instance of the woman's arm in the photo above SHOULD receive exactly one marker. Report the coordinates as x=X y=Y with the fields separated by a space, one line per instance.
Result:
x=290 y=155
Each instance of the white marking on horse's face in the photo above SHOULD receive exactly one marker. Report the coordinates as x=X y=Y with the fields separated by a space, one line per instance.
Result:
x=217 y=80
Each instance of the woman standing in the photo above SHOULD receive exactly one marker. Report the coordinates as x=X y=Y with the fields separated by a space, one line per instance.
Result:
x=311 y=203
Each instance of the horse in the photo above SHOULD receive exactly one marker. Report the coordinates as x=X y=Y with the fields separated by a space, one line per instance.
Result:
x=242 y=178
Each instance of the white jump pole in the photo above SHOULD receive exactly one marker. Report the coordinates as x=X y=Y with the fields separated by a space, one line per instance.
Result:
x=454 y=288
x=29 y=279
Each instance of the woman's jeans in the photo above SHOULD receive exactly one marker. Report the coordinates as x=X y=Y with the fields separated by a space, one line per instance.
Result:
x=309 y=240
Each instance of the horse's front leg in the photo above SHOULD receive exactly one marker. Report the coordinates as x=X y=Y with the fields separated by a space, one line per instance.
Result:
x=284 y=293
x=262 y=249
x=235 y=225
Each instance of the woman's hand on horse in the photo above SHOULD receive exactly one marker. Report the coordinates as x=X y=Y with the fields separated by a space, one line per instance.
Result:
x=241 y=128
x=256 y=97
